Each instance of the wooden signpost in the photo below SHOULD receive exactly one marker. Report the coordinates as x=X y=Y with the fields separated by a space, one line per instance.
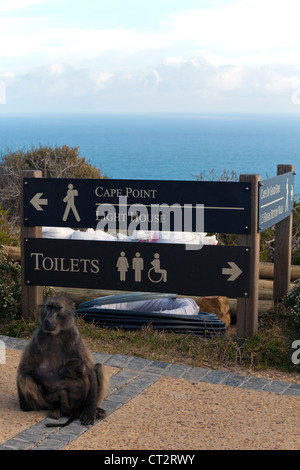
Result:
x=283 y=244
x=32 y=297
x=247 y=307
x=151 y=267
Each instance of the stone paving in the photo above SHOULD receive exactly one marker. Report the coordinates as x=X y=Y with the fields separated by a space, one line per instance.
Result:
x=135 y=375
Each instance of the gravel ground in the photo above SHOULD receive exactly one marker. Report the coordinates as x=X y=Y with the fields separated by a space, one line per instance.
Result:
x=177 y=414
x=171 y=413
x=12 y=420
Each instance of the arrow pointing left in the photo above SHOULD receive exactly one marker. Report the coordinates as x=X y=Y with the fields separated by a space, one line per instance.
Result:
x=37 y=202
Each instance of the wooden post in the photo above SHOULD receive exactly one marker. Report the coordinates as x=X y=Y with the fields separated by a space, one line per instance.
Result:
x=283 y=250
x=32 y=296
x=247 y=308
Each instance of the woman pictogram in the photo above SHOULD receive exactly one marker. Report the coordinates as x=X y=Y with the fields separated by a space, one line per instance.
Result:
x=122 y=265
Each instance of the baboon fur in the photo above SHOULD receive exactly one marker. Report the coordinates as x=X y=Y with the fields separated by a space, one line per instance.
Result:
x=68 y=390
x=54 y=343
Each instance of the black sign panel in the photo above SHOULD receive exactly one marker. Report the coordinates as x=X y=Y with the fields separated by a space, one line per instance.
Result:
x=276 y=199
x=147 y=205
x=147 y=267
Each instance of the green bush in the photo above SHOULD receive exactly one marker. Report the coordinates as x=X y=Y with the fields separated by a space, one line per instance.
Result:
x=296 y=233
x=58 y=162
x=10 y=288
x=296 y=256
x=292 y=301
x=9 y=233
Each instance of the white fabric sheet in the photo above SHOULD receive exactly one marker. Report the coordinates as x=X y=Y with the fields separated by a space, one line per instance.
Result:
x=191 y=238
x=183 y=306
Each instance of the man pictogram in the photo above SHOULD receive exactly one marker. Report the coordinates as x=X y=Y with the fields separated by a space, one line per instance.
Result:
x=138 y=266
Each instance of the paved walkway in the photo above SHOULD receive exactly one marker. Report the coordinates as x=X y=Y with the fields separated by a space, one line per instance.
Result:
x=135 y=382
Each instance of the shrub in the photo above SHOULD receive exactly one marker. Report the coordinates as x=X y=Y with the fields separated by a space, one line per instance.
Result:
x=296 y=233
x=9 y=233
x=58 y=162
x=10 y=288
x=292 y=301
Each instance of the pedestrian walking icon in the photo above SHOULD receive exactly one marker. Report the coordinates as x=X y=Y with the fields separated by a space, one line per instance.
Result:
x=70 y=200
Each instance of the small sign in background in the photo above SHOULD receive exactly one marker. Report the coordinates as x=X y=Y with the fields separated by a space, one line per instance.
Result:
x=276 y=198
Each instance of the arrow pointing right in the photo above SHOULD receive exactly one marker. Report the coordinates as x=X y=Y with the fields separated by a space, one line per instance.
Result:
x=234 y=271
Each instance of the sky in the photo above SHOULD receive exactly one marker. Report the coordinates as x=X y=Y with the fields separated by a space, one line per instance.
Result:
x=174 y=56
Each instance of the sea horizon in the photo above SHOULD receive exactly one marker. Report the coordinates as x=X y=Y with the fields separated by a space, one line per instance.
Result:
x=171 y=146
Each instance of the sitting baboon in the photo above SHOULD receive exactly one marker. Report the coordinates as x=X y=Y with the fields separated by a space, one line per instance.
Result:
x=53 y=344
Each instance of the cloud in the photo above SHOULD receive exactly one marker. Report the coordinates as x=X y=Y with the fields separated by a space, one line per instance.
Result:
x=175 y=84
x=230 y=52
x=100 y=79
x=279 y=82
x=58 y=86
x=240 y=28
x=199 y=75
x=207 y=74
x=2 y=92
x=46 y=38
x=237 y=34
x=243 y=31
x=9 y=5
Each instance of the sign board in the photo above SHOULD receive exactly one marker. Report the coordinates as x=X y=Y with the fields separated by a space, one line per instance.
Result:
x=160 y=205
x=276 y=197
x=129 y=266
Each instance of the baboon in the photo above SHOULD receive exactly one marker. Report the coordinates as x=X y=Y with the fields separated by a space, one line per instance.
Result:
x=54 y=343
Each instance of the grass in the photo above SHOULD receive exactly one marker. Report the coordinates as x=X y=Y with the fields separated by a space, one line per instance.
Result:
x=269 y=348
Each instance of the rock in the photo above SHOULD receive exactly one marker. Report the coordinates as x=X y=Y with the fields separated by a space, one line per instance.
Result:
x=12 y=252
x=216 y=304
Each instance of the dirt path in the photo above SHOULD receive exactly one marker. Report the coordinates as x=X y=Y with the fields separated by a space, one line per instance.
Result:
x=164 y=413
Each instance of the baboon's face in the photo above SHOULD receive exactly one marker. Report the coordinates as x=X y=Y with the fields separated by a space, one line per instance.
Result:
x=55 y=315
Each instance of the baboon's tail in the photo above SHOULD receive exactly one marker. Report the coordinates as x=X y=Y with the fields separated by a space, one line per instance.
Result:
x=60 y=425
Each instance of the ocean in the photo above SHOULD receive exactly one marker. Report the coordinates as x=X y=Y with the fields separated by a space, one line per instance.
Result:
x=165 y=146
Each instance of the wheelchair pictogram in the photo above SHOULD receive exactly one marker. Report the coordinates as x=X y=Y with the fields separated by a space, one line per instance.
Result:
x=156 y=269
